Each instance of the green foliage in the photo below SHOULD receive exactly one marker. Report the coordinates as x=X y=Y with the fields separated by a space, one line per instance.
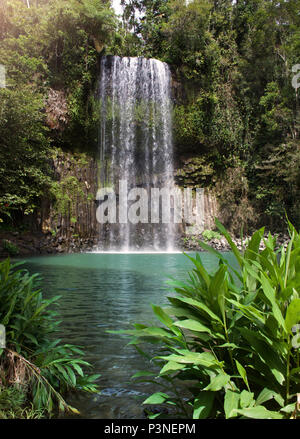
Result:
x=195 y=172
x=33 y=358
x=12 y=404
x=210 y=234
x=24 y=152
x=186 y=33
x=225 y=347
x=210 y=126
x=48 y=47
x=69 y=190
x=66 y=193
x=235 y=101
x=143 y=35
x=10 y=247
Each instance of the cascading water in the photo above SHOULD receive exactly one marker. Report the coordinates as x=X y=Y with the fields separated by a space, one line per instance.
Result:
x=135 y=142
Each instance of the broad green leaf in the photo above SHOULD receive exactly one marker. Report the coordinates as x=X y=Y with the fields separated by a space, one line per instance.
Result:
x=62 y=370
x=139 y=326
x=178 y=285
x=271 y=296
x=205 y=359
x=253 y=246
x=229 y=345
x=269 y=264
x=218 y=288
x=171 y=366
x=192 y=325
x=288 y=408
x=287 y=260
x=202 y=271
x=218 y=382
x=78 y=369
x=282 y=257
x=247 y=399
x=243 y=373
x=203 y=404
x=292 y=314
x=234 y=248
x=221 y=257
x=165 y=319
x=259 y=412
x=250 y=269
x=71 y=375
x=157 y=398
x=249 y=311
x=222 y=292
x=156 y=332
x=201 y=306
x=265 y=353
x=267 y=394
x=178 y=311
x=231 y=403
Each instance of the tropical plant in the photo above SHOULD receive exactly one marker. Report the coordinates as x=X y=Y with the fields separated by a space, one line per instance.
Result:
x=227 y=347
x=34 y=361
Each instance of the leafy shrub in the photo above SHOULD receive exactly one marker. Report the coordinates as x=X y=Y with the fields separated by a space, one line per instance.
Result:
x=10 y=247
x=33 y=359
x=13 y=404
x=210 y=234
x=227 y=346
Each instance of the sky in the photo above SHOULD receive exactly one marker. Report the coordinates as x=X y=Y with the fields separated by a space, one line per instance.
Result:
x=117 y=6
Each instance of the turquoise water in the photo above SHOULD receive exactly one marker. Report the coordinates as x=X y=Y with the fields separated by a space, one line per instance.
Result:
x=101 y=292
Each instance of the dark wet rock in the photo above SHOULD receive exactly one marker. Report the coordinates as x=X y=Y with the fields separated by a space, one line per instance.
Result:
x=191 y=242
x=31 y=244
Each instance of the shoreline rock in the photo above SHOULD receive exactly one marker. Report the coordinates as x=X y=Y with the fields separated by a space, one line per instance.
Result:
x=190 y=242
x=39 y=244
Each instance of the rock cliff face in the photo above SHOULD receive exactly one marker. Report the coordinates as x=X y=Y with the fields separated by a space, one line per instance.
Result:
x=211 y=209
x=71 y=221
x=73 y=213
x=72 y=210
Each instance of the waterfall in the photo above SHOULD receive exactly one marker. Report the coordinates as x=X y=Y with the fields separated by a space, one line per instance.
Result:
x=135 y=144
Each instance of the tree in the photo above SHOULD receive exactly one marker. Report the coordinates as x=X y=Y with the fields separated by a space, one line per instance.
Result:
x=48 y=50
